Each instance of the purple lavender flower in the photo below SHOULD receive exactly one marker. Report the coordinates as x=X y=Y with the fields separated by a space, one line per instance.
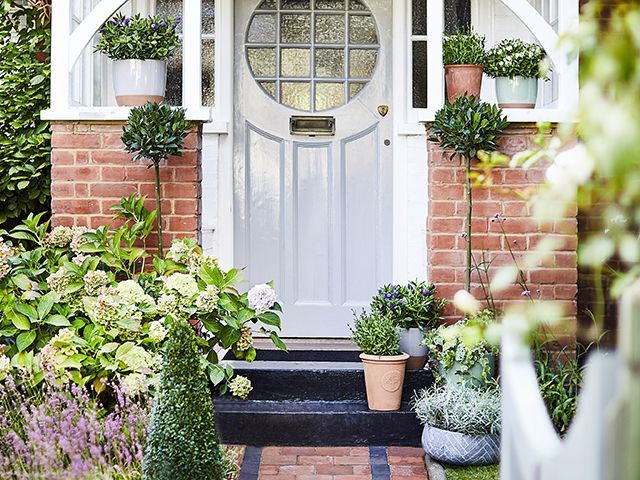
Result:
x=163 y=24
x=153 y=25
x=127 y=21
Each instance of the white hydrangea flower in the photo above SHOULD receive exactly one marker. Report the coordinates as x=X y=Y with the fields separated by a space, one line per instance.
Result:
x=262 y=298
x=182 y=283
x=157 y=332
x=240 y=386
x=180 y=250
x=137 y=360
x=5 y=367
x=60 y=236
x=94 y=280
x=77 y=240
x=167 y=304
x=6 y=252
x=207 y=300
x=135 y=384
x=131 y=291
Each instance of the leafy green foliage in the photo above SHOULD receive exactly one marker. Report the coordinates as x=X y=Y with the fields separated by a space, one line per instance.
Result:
x=560 y=377
x=183 y=442
x=470 y=411
x=151 y=38
x=468 y=126
x=460 y=349
x=24 y=91
x=88 y=305
x=463 y=48
x=414 y=305
x=155 y=132
x=513 y=58
x=376 y=334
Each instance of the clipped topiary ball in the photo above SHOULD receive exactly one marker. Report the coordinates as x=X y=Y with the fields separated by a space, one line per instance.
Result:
x=183 y=441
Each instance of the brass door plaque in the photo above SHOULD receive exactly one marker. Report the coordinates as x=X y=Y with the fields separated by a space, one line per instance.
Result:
x=312 y=126
x=383 y=110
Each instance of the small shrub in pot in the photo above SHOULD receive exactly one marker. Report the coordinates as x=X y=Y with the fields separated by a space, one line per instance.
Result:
x=517 y=66
x=384 y=363
x=140 y=48
x=463 y=57
x=462 y=425
x=415 y=308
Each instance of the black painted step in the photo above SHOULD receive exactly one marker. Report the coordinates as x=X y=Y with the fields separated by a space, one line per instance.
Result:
x=317 y=381
x=261 y=423
x=305 y=355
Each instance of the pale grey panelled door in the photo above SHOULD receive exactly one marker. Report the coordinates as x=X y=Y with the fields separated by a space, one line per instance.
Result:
x=314 y=214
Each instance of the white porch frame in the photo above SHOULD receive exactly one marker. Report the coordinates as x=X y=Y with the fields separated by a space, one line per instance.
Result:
x=409 y=170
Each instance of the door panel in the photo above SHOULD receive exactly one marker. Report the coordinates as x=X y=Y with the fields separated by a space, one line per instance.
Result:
x=313 y=214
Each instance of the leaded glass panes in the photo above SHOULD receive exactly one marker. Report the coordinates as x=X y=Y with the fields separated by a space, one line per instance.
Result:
x=299 y=51
x=295 y=28
x=208 y=17
x=262 y=61
x=419 y=17
x=362 y=29
x=208 y=71
x=330 y=29
x=262 y=29
x=330 y=62
x=295 y=62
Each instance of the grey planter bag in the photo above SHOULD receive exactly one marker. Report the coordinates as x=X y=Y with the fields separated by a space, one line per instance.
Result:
x=459 y=449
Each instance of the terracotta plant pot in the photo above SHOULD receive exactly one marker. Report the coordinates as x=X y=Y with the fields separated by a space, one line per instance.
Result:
x=463 y=80
x=410 y=340
x=384 y=378
x=136 y=82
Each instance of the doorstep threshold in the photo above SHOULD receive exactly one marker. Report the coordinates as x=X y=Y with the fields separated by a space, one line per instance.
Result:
x=293 y=365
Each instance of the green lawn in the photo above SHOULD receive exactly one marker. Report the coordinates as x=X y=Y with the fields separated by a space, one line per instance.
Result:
x=489 y=472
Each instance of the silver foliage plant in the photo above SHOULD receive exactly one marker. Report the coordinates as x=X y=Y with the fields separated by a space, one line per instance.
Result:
x=456 y=408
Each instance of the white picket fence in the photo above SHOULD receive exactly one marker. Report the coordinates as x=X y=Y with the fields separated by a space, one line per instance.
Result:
x=603 y=442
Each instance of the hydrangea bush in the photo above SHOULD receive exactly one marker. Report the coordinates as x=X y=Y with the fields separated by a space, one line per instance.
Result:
x=89 y=305
x=515 y=58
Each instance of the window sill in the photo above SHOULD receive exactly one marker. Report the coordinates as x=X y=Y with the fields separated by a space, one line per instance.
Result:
x=112 y=114
x=424 y=116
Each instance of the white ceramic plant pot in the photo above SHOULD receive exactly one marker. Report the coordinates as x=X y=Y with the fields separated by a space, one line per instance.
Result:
x=410 y=340
x=136 y=82
x=517 y=92
x=460 y=449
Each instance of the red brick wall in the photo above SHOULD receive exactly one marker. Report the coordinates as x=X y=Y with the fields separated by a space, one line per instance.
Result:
x=556 y=279
x=91 y=172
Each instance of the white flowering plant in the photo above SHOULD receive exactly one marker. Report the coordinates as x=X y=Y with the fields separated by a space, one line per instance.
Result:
x=86 y=305
x=515 y=58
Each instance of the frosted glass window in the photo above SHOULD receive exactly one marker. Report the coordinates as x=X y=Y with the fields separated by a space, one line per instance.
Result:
x=173 y=93
x=301 y=55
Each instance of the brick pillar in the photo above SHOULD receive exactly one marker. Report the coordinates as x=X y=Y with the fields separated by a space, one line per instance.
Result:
x=556 y=279
x=91 y=172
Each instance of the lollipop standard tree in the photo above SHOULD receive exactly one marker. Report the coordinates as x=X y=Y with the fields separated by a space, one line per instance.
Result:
x=468 y=126
x=155 y=132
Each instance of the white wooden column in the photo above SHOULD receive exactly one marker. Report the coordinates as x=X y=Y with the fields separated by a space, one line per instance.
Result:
x=435 y=76
x=569 y=83
x=191 y=54
x=60 y=33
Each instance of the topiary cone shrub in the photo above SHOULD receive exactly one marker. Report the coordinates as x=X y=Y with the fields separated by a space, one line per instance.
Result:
x=183 y=441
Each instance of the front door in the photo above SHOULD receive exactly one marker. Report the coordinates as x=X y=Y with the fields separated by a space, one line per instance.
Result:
x=314 y=213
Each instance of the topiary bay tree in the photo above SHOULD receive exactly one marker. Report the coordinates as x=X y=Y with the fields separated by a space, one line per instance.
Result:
x=467 y=127
x=155 y=132
x=183 y=442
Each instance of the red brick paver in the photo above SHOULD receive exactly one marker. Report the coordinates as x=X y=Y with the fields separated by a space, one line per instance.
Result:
x=337 y=463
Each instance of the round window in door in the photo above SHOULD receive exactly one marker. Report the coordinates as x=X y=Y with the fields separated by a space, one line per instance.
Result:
x=312 y=55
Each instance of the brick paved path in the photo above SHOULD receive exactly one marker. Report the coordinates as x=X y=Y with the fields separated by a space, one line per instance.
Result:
x=333 y=463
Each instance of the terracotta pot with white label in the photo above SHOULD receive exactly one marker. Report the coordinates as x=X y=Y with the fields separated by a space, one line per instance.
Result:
x=384 y=378
x=136 y=82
